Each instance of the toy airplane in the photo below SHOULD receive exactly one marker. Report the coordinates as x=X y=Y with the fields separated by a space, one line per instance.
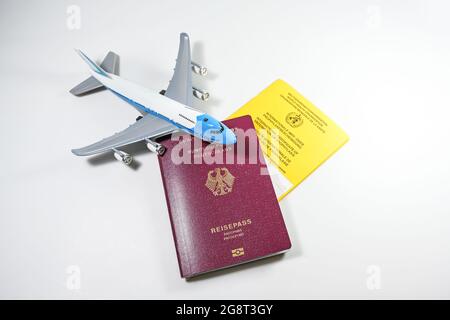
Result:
x=161 y=113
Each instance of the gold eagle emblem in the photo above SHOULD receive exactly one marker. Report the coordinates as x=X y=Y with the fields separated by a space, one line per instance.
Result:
x=220 y=181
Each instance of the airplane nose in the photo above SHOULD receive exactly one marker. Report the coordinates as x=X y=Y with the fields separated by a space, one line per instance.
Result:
x=230 y=137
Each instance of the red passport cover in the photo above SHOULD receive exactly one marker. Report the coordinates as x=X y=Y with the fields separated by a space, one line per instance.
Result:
x=222 y=214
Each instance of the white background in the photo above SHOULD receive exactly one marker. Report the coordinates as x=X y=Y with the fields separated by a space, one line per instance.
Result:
x=377 y=210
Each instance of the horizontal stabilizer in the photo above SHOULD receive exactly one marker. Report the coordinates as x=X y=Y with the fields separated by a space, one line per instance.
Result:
x=110 y=64
x=88 y=85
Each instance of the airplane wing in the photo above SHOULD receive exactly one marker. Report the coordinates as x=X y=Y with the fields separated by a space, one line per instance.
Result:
x=180 y=87
x=147 y=127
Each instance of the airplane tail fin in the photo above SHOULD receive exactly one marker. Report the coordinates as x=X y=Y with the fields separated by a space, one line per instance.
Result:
x=109 y=65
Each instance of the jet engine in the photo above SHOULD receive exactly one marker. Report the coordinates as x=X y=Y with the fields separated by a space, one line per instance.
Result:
x=198 y=69
x=200 y=94
x=155 y=147
x=124 y=157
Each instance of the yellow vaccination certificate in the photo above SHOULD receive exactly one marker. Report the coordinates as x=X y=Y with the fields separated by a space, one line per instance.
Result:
x=295 y=136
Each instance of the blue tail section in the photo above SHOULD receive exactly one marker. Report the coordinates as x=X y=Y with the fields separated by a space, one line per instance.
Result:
x=94 y=67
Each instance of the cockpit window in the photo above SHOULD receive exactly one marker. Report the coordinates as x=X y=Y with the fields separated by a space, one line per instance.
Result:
x=217 y=131
x=209 y=125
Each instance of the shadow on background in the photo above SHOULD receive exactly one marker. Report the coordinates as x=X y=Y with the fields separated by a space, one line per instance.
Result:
x=134 y=149
x=254 y=264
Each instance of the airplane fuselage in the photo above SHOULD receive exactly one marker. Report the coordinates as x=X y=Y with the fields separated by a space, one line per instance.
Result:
x=182 y=116
x=148 y=101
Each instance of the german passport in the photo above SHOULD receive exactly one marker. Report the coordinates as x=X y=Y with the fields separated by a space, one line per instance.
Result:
x=221 y=202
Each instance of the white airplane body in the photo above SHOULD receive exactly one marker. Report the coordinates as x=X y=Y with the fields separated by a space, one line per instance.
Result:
x=150 y=101
x=162 y=114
